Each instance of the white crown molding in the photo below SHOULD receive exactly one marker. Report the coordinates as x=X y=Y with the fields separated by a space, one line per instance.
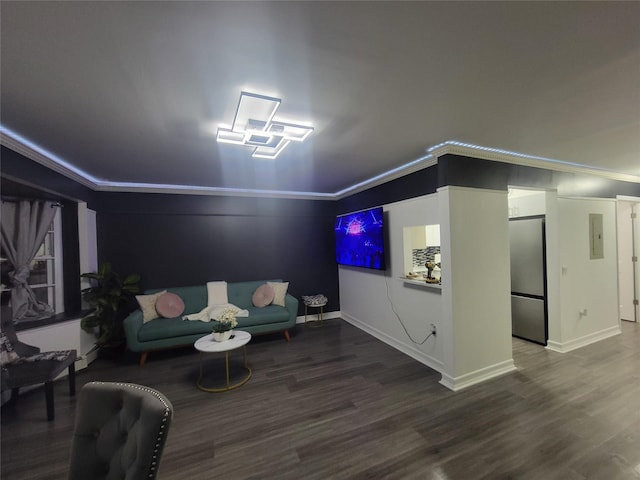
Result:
x=38 y=155
x=45 y=160
x=210 y=191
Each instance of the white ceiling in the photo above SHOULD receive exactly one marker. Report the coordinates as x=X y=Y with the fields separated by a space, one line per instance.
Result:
x=129 y=91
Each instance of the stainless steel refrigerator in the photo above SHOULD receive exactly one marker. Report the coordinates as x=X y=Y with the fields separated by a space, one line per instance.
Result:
x=528 y=279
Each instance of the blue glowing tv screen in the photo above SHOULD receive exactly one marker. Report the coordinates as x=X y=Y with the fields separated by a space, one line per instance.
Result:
x=360 y=239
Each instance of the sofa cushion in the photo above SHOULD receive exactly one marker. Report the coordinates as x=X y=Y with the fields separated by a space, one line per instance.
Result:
x=280 y=289
x=261 y=316
x=162 y=328
x=169 y=305
x=263 y=295
x=167 y=332
x=217 y=293
x=148 y=305
x=240 y=293
x=194 y=297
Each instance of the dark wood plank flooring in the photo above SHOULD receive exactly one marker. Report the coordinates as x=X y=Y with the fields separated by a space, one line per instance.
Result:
x=335 y=403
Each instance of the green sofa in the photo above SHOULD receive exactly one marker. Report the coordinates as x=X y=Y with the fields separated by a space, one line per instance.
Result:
x=164 y=333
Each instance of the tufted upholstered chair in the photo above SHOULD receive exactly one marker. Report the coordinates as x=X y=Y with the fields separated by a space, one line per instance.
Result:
x=120 y=432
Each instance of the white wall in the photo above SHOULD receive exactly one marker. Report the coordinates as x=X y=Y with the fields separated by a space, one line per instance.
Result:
x=554 y=265
x=583 y=284
x=525 y=203
x=476 y=286
x=88 y=243
x=377 y=302
x=471 y=311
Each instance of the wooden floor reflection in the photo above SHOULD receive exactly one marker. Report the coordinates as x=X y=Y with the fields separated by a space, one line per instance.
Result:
x=335 y=403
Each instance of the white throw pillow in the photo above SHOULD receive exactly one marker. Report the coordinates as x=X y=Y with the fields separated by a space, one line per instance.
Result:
x=280 y=291
x=148 y=305
x=217 y=293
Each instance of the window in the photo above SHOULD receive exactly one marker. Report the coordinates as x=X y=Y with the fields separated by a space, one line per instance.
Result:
x=45 y=278
x=422 y=247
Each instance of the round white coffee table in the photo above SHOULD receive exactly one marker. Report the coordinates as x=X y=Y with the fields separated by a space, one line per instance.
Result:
x=207 y=344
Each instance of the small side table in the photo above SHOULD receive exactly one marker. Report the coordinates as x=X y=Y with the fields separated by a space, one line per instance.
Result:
x=206 y=344
x=314 y=301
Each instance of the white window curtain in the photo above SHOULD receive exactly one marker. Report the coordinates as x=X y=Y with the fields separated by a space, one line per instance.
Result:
x=24 y=226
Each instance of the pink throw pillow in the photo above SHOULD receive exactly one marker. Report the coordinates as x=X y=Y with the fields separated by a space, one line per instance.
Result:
x=263 y=295
x=169 y=305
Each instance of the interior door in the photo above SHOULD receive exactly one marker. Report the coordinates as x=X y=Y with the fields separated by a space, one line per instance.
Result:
x=628 y=283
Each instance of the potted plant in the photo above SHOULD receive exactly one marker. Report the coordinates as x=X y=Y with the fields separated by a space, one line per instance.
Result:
x=110 y=295
x=225 y=322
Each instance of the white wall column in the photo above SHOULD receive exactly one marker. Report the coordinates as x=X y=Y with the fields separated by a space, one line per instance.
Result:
x=476 y=291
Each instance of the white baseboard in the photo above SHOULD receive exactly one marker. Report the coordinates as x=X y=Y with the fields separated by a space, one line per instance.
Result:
x=414 y=353
x=564 y=347
x=455 y=384
x=477 y=376
x=313 y=316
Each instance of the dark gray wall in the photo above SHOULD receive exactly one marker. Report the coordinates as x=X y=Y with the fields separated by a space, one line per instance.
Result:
x=176 y=240
x=473 y=172
x=477 y=173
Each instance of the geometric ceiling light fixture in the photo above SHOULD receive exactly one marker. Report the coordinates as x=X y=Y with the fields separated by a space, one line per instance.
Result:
x=254 y=126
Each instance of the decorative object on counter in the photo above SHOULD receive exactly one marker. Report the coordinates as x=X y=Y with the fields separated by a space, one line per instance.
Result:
x=430 y=266
x=430 y=278
x=225 y=322
x=412 y=275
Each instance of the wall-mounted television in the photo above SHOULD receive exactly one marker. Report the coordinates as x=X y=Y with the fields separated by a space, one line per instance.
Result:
x=360 y=239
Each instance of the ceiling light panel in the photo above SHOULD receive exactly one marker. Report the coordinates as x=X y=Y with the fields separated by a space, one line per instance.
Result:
x=255 y=125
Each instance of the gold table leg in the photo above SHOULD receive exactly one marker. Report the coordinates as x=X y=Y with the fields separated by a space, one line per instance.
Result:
x=226 y=364
x=313 y=323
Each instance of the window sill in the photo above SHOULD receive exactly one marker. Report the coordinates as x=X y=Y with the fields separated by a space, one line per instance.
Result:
x=422 y=283
x=44 y=322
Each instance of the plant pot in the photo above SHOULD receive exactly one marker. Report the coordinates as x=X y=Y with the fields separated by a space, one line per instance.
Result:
x=221 y=336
